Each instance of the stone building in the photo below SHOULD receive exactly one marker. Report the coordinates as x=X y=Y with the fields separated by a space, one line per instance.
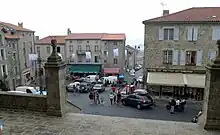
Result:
x=100 y=47
x=16 y=45
x=181 y=44
x=130 y=56
x=24 y=46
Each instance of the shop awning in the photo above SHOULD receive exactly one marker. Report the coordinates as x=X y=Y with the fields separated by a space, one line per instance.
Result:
x=165 y=79
x=85 y=68
x=195 y=80
x=111 y=70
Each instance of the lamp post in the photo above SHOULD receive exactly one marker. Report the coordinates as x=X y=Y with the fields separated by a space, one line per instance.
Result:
x=39 y=60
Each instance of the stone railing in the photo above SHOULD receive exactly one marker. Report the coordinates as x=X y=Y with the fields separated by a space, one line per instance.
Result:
x=23 y=101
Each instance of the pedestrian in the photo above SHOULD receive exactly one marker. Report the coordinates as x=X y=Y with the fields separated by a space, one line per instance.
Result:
x=113 y=88
x=172 y=103
x=97 y=98
x=94 y=96
x=91 y=96
x=102 y=100
x=115 y=95
x=111 y=97
x=118 y=97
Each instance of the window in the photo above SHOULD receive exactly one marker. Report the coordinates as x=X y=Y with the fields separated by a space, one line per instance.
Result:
x=192 y=34
x=191 y=58
x=215 y=33
x=79 y=47
x=105 y=53
x=115 y=43
x=87 y=41
x=168 y=34
x=24 y=45
x=71 y=48
x=48 y=49
x=38 y=50
x=87 y=48
x=23 y=34
x=3 y=54
x=96 y=48
x=1 y=39
x=105 y=61
x=115 y=61
x=29 y=34
x=4 y=70
x=58 y=49
x=14 y=56
x=167 y=57
x=9 y=45
x=13 y=45
x=96 y=59
x=71 y=41
x=96 y=41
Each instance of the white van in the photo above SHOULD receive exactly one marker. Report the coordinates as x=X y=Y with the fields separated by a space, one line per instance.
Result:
x=26 y=89
x=92 y=78
x=111 y=79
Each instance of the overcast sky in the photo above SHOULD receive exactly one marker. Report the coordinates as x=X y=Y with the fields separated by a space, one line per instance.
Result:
x=53 y=17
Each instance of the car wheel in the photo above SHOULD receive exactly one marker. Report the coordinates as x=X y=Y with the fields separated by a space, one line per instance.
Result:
x=138 y=106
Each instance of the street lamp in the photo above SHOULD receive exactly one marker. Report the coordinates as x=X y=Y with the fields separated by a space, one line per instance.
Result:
x=39 y=60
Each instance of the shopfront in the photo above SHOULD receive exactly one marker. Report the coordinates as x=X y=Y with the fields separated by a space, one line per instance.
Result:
x=85 y=69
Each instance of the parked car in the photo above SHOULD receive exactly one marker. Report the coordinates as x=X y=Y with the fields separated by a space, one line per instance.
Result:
x=138 y=101
x=28 y=89
x=99 y=87
x=84 y=87
x=70 y=87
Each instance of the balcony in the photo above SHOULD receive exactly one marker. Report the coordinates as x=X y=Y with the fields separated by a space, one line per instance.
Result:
x=82 y=52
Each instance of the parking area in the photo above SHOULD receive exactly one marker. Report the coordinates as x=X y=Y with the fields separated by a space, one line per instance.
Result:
x=159 y=112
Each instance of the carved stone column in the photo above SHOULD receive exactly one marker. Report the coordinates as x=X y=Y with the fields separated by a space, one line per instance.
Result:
x=211 y=106
x=55 y=72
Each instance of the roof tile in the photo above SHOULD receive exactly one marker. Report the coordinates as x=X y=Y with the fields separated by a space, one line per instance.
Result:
x=14 y=26
x=195 y=14
x=97 y=36
x=47 y=40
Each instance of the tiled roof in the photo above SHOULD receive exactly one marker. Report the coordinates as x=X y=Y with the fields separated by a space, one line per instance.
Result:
x=100 y=36
x=119 y=36
x=8 y=35
x=47 y=40
x=195 y=14
x=14 y=26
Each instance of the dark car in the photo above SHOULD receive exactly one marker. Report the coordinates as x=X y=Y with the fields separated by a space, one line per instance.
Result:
x=138 y=101
x=84 y=87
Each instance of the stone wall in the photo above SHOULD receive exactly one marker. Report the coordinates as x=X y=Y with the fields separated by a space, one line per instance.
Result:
x=154 y=47
x=23 y=101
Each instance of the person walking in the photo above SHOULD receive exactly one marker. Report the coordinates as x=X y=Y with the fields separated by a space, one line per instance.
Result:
x=172 y=103
x=97 y=98
x=91 y=96
x=111 y=97
x=118 y=97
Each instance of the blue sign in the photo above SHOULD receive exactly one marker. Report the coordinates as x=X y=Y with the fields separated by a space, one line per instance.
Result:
x=1 y=126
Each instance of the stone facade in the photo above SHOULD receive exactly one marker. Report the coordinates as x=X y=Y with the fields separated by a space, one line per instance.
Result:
x=154 y=47
x=23 y=101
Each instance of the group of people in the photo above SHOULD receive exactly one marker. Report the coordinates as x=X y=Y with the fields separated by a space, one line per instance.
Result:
x=95 y=98
x=115 y=96
x=177 y=104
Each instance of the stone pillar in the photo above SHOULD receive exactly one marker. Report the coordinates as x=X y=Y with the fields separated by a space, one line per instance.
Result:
x=211 y=106
x=55 y=72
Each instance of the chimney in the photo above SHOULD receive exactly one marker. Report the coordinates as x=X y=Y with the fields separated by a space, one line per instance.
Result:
x=68 y=31
x=37 y=38
x=20 y=24
x=165 y=12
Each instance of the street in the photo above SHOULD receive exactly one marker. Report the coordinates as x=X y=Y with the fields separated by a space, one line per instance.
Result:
x=159 y=112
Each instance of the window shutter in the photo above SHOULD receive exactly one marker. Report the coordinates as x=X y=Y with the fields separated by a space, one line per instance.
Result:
x=199 y=58
x=6 y=68
x=212 y=54
x=195 y=36
x=160 y=34
x=182 y=57
x=215 y=33
x=175 y=57
x=5 y=54
x=189 y=35
x=176 y=33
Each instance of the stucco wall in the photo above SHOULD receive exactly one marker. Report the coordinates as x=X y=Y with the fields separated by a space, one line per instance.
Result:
x=23 y=101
